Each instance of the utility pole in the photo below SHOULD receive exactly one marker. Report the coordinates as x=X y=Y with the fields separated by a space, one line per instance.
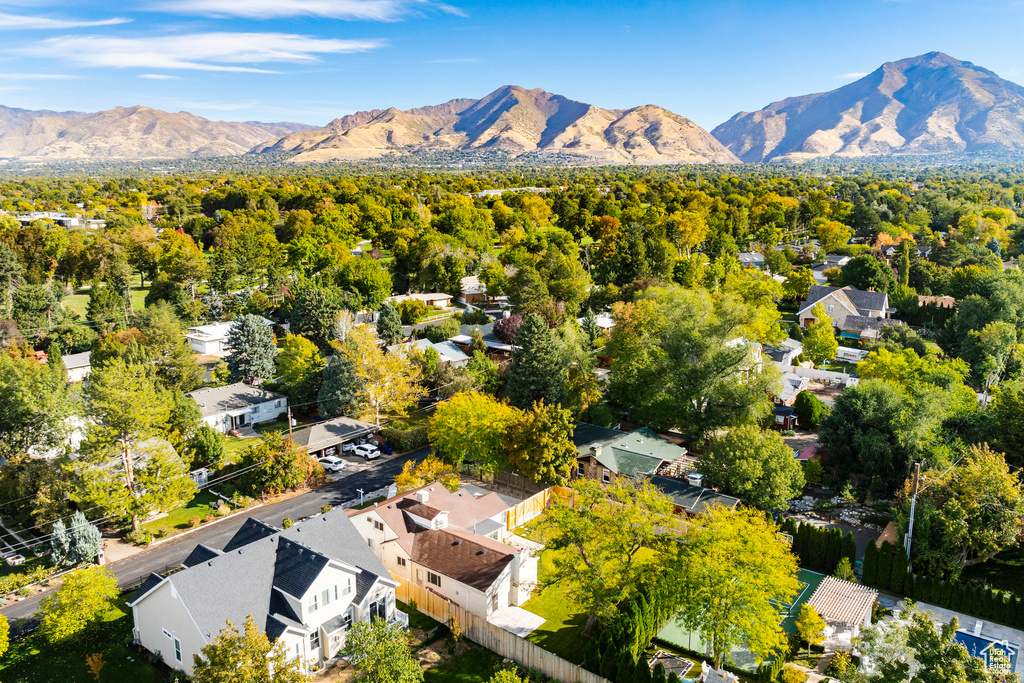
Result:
x=291 y=441
x=915 y=488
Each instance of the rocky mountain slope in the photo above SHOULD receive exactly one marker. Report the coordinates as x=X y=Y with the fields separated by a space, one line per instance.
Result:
x=127 y=133
x=930 y=104
x=517 y=121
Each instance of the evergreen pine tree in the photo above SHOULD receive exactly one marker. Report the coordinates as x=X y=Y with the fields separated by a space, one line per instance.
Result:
x=870 y=568
x=977 y=599
x=921 y=589
x=389 y=324
x=609 y=661
x=989 y=605
x=252 y=349
x=884 y=565
x=535 y=370
x=898 y=573
x=337 y=394
x=673 y=677
x=85 y=539
x=60 y=544
x=659 y=673
x=956 y=596
x=642 y=673
x=909 y=585
x=799 y=542
x=627 y=668
x=1018 y=612
x=592 y=656
x=849 y=550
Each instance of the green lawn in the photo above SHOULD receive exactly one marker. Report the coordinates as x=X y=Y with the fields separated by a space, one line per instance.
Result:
x=200 y=506
x=475 y=665
x=77 y=302
x=1004 y=571
x=233 y=446
x=33 y=660
x=30 y=564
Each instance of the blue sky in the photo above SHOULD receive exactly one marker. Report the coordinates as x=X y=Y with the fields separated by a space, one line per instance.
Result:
x=314 y=60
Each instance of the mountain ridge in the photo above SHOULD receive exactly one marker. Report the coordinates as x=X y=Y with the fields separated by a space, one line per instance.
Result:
x=516 y=120
x=928 y=104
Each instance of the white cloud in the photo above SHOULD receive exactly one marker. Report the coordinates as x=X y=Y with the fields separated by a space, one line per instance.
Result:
x=159 y=77
x=14 y=22
x=200 y=51
x=374 y=10
x=852 y=76
x=35 y=77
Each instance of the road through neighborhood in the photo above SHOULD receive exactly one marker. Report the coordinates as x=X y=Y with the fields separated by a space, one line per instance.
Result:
x=173 y=551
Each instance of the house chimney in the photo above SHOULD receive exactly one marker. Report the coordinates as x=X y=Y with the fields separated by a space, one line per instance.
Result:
x=422 y=496
x=695 y=479
x=595 y=450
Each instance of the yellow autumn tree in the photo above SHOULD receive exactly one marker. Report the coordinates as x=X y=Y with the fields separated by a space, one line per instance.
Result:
x=388 y=384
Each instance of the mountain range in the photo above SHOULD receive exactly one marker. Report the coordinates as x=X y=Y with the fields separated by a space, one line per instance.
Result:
x=930 y=104
x=127 y=133
x=515 y=120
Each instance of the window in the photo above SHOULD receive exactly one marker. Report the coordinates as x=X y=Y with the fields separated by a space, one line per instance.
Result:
x=326 y=596
x=314 y=640
x=347 y=588
x=829 y=308
x=581 y=469
x=606 y=476
x=379 y=526
x=369 y=542
x=313 y=604
x=335 y=592
x=177 y=650
x=434 y=579
x=779 y=419
x=277 y=404
x=401 y=562
x=348 y=617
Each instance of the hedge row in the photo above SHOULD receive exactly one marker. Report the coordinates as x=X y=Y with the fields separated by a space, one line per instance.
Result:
x=886 y=568
x=820 y=549
x=14 y=582
x=619 y=654
x=405 y=440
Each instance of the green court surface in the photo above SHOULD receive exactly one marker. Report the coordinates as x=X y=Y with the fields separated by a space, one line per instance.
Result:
x=678 y=635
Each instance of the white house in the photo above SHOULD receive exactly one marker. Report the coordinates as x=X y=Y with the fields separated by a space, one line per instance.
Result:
x=212 y=339
x=447 y=352
x=77 y=366
x=451 y=544
x=752 y=259
x=304 y=586
x=238 y=405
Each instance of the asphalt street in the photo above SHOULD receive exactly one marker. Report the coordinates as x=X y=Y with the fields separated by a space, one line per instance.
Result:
x=173 y=551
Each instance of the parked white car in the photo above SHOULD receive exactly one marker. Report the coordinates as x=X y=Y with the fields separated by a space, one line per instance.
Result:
x=367 y=450
x=331 y=463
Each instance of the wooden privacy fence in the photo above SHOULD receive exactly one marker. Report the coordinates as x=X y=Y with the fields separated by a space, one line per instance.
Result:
x=534 y=505
x=494 y=638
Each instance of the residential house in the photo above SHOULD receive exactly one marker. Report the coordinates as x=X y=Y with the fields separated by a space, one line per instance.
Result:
x=78 y=366
x=937 y=301
x=785 y=352
x=689 y=495
x=450 y=543
x=836 y=261
x=238 y=405
x=327 y=437
x=434 y=299
x=855 y=314
x=447 y=352
x=891 y=250
x=212 y=339
x=496 y=349
x=606 y=453
x=784 y=415
x=752 y=259
x=473 y=291
x=605 y=322
x=304 y=586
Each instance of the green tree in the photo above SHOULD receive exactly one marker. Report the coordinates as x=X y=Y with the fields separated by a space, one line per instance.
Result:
x=273 y=465
x=810 y=626
x=11 y=273
x=539 y=443
x=248 y=656
x=252 y=349
x=473 y=425
x=844 y=571
x=5 y=630
x=820 y=342
x=681 y=360
x=82 y=542
x=83 y=599
x=337 y=395
x=300 y=367
x=36 y=406
x=181 y=260
x=798 y=283
x=381 y=652
x=389 y=324
x=508 y=676
x=535 y=372
x=167 y=349
x=809 y=409
x=755 y=465
x=606 y=534
x=313 y=316
x=207 y=446
x=866 y=272
x=730 y=572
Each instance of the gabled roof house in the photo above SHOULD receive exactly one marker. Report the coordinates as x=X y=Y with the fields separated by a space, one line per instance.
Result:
x=238 y=405
x=450 y=543
x=304 y=586
x=855 y=313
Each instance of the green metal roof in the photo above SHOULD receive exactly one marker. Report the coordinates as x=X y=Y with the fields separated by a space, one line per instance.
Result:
x=626 y=453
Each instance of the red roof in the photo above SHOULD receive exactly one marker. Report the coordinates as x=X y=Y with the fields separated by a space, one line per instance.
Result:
x=809 y=453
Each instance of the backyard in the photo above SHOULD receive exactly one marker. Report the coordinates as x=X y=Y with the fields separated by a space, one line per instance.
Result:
x=79 y=301
x=33 y=660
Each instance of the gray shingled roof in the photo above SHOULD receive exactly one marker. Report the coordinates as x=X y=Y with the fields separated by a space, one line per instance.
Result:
x=693 y=499
x=862 y=301
x=200 y=553
x=861 y=323
x=76 y=360
x=251 y=530
x=216 y=400
x=331 y=432
x=149 y=584
x=243 y=580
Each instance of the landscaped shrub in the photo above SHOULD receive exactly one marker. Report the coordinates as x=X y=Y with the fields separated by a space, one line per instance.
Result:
x=325 y=508
x=223 y=509
x=791 y=674
x=14 y=582
x=884 y=564
x=476 y=317
x=898 y=574
x=809 y=410
x=442 y=331
x=194 y=521
x=405 y=440
x=209 y=518
x=412 y=311
x=840 y=664
x=287 y=523
x=161 y=532
x=140 y=537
